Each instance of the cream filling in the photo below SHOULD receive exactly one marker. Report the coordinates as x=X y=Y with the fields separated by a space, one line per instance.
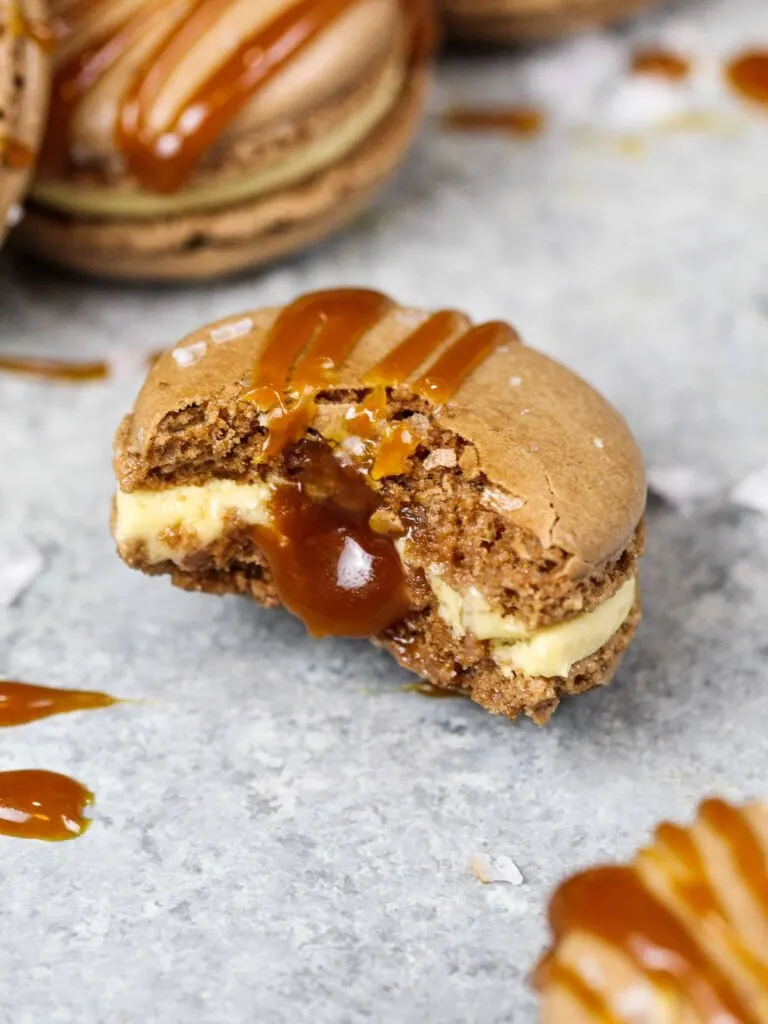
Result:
x=150 y=517
x=548 y=652
x=99 y=201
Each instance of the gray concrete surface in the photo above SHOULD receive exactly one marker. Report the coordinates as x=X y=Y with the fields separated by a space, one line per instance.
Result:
x=283 y=834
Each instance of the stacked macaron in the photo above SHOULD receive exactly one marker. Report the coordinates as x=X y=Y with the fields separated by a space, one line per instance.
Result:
x=189 y=138
x=25 y=43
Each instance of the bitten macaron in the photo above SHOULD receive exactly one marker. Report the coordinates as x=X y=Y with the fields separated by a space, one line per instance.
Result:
x=25 y=44
x=435 y=486
x=508 y=21
x=194 y=138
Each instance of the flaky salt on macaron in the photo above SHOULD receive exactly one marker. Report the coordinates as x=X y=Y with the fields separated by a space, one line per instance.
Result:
x=679 y=935
x=190 y=139
x=25 y=44
x=459 y=498
x=506 y=21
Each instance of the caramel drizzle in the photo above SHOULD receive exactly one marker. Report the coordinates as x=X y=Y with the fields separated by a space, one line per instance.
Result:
x=313 y=337
x=43 y=805
x=22 y=703
x=164 y=159
x=54 y=369
x=615 y=905
x=23 y=27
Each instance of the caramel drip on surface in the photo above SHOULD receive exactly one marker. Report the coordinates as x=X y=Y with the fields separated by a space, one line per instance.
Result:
x=433 y=692
x=517 y=120
x=54 y=369
x=329 y=566
x=43 y=805
x=21 y=703
x=164 y=158
x=661 y=63
x=748 y=75
x=394 y=452
x=17 y=155
x=612 y=904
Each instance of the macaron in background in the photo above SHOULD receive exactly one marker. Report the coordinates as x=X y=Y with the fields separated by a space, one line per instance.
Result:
x=508 y=21
x=25 y=43
x=190 y=140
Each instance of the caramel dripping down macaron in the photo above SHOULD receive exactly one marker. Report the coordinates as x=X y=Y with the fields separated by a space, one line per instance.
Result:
x=434 y=485
x=509 y=21
x=24 y=82
x=200 y=137
x=680 y=934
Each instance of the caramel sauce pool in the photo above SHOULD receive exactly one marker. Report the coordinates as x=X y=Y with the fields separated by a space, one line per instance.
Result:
x=54 y=369
x=748 y=75
x=43 y=805
x=514 y=120
x=21 y=703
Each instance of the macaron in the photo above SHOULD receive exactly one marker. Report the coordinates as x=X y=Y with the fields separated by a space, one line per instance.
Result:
x=678 y=935
x=25 y=43
x=195 y=138
x=507 y=21
x=438 y=487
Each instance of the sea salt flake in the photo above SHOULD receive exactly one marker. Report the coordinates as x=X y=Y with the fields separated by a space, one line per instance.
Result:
x=441 y=457
x=228 y=332
x=752 y=493
x=189 y=355
x=20 y=564
x=524 y=412
x=499 y=868
x=598 y=442
x=515 y=382
x=498 y=501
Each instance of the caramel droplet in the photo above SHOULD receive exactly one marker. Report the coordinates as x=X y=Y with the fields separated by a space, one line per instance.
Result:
x=518 y=120
x=43 y=805
x=21 y=703
x=748 y=75
x=330 y=567
x=54 y=369
x=661 y=63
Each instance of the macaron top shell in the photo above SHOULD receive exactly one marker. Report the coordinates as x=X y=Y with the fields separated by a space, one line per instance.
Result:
x=25 y=44
x=562 y=456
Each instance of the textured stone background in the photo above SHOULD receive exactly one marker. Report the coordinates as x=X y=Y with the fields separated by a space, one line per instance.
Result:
x=282 y=833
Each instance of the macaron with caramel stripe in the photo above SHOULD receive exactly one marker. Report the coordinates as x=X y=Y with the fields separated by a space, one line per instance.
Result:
x=509 y=21
x=195 y=138
x=25 y=45
x=436 y=486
